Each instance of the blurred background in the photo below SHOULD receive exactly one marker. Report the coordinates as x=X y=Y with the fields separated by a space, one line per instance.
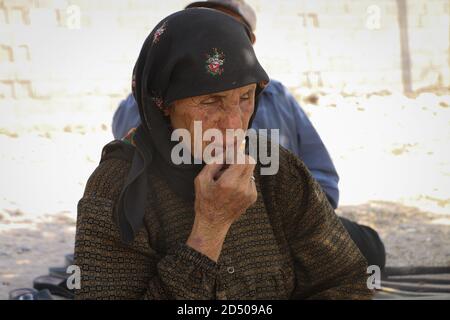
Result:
x=373 y=76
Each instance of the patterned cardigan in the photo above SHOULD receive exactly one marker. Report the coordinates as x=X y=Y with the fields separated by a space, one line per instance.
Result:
x=288 y=245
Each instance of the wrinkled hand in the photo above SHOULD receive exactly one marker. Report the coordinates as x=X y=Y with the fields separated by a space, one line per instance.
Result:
x=221 y=197
x=220 y=202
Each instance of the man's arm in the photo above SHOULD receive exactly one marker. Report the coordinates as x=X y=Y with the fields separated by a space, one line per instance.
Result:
x=125 y=118
x=315 y=155
x=277 y=108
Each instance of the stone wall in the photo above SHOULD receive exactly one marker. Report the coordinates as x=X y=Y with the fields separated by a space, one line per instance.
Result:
x=80 y=53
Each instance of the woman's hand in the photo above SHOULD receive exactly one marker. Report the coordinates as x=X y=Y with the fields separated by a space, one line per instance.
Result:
x=221 y=197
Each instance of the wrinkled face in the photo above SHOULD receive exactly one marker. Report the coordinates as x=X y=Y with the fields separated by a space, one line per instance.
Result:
x=224 y=110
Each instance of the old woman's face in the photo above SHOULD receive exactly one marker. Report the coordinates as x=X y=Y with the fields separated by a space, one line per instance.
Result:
x=224 y=110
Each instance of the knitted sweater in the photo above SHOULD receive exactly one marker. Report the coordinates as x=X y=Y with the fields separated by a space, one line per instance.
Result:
x=288 y=245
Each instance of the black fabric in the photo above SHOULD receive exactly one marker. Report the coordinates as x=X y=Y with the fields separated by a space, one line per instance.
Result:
x=368 y=242
x=175 y=63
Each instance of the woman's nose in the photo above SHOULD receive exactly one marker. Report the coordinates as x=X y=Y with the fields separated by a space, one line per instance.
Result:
x=231 y=117
x=231 y=120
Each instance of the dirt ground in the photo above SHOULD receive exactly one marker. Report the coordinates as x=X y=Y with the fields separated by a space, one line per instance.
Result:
x=391 y=151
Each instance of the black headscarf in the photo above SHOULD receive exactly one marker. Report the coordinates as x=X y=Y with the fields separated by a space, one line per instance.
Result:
x=192 y=52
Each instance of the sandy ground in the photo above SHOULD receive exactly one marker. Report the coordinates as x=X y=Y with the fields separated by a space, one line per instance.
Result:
x=391 y=151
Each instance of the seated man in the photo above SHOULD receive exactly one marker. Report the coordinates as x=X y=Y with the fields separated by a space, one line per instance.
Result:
x=277 y=109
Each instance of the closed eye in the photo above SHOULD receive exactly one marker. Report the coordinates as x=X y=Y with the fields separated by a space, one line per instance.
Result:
x=212 y=100
x=247 y=95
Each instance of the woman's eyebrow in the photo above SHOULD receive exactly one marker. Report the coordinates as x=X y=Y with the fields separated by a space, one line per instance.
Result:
x=221 y=96
x=216 y=95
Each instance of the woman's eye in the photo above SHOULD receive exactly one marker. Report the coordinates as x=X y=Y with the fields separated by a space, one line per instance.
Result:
x=209 y=101
x=245 y=96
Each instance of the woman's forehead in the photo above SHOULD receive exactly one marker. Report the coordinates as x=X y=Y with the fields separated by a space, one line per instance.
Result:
x=227 y=93
x=232 y=91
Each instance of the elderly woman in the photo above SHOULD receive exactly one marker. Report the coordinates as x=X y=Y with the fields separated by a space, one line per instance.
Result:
x=148 y=228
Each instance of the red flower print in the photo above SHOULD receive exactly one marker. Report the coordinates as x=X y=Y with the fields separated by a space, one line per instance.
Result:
x=214 y=62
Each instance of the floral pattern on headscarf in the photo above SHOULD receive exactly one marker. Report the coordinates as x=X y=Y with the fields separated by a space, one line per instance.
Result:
x=159 y=32
x=214 y=62
x=159 y=102
x=129 y=137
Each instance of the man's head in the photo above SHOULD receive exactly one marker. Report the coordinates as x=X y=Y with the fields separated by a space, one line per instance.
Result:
x=238 y=9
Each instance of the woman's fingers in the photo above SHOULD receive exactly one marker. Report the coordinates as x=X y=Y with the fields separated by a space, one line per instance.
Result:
x=239 y=172
x=253 y=191
x=232 y=176
x=250 y=169
x=209 y=172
